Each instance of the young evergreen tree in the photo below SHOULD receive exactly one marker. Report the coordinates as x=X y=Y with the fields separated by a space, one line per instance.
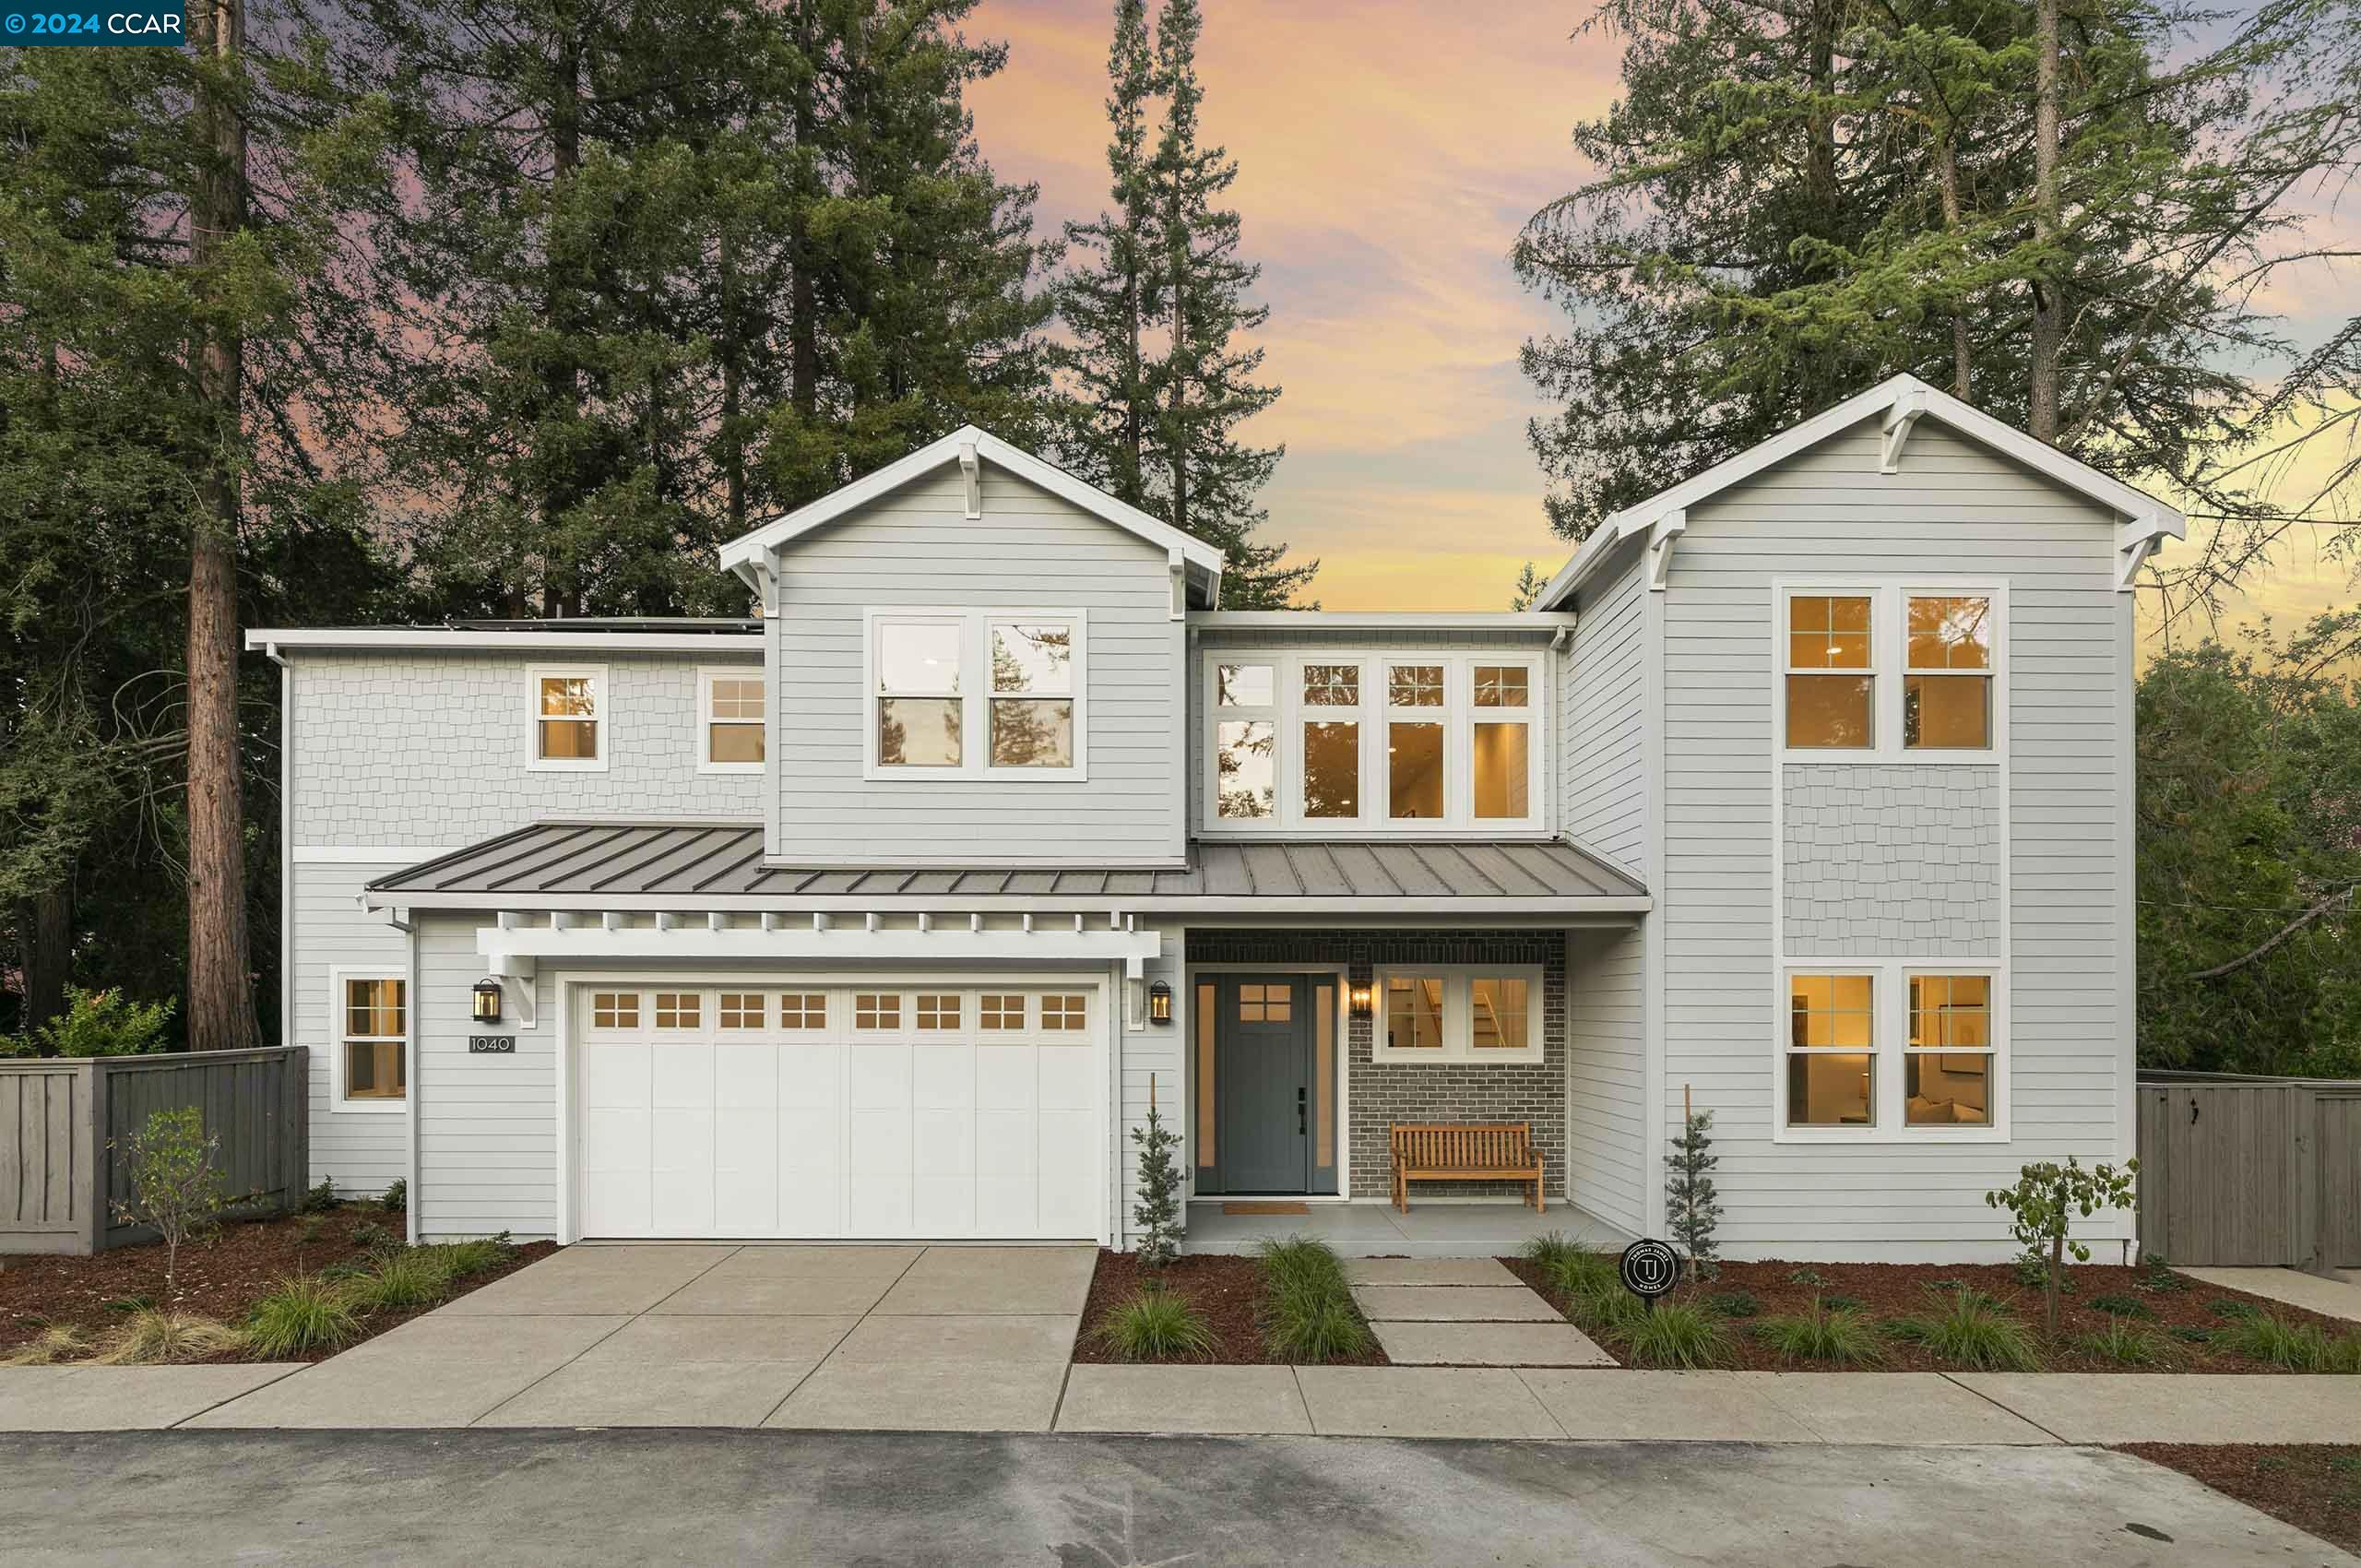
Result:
x=1157 y=1210
x=1690 y=1202
x=1204 y=385
x=1526 y=591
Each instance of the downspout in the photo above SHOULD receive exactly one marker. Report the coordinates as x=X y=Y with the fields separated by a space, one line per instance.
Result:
x=401 y=921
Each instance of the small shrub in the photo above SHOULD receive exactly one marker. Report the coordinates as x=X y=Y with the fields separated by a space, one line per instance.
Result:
x=460 y=1259
x=1675 y=1335
x=370 y=1236
x=309 y=1233
x=319 y=1199
x=58 y=1342
x=2124 y=1343
x=1584 y=1278
x=1547 y=1249
x=2232 y=1308
x=1689 y=1192
x=1303 y=1326
x=2121 y=1306
x=2042 y=1208
x=174 y=1186
x=302 y=1313
x=2281 y=1341
x=2158 y=1275
x=131 y=1304
x=1300 y=1260
x=1945 y=1287
x=1973 y=1331
x=1837 y=1336
x=396 y=1197
x=417 y=1276
x=1840 y=1303
x=1734 y=1303
x=1156 y=1325
x=102 y=1023
x=1157 y=1212
x=2193 y=1333
x=1811 y=1277
x=153 y=1339
x=2342 y=1356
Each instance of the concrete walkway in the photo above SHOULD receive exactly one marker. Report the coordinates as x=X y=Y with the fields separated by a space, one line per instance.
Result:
x=1464 y=1312
x=2330 y=1297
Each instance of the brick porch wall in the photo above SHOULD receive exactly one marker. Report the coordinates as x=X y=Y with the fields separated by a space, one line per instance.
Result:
x=1383 y=1093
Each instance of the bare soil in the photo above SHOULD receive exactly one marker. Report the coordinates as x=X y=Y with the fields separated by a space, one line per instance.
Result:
x=220 y=1277
x=1228 y=1290
x=2315 y=1488
x=1886 y=1291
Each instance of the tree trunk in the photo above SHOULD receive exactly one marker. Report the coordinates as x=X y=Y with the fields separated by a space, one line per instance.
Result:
x=2049 y=1286
x=803 y=294
x=1127 y=482
x=1947 y=175
x=45 y=949
x=562 y=382
x=2048 y=301
x=733 y=378
x=220 y=993
x=1176 y=429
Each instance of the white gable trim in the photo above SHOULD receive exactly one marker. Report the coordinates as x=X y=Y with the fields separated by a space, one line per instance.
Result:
x=1899 y=404
x=969 y=447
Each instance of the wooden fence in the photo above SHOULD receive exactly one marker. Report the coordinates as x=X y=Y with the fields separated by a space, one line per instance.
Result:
x=2251 y=1171
x=66 y=1125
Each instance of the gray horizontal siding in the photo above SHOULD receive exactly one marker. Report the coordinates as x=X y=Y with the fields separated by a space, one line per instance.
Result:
x=1030 y=551
x=1606 y=1076
x=1953 y=510
x=1603 y=698
x=360 y=1151
x=487 y=1130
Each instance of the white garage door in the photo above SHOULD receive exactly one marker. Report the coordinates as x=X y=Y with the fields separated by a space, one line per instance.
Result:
x=903 y=1110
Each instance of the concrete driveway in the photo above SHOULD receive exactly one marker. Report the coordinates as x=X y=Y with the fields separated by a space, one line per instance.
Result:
x=913 y=1339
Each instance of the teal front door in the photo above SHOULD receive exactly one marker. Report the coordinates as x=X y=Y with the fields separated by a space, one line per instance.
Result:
x=1263 y=1043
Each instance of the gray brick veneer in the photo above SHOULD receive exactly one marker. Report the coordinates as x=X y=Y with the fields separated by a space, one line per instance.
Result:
x=1890 y=859
x=1383 y=1093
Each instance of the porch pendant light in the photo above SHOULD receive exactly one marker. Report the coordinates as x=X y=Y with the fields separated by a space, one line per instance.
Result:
x=1159 y=1003
x=487 y=1001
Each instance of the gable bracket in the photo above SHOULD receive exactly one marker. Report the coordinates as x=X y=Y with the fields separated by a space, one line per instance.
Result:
x=1662 y=534
x=1902 y=416
x=972 y=470
x=2138 y=540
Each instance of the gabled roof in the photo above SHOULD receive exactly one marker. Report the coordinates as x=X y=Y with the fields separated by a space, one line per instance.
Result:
x=1902 y=401
x=966 y=446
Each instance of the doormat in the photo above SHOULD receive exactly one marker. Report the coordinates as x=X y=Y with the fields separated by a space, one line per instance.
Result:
x=1266 y=1208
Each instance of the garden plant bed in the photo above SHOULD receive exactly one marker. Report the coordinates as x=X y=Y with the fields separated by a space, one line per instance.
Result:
x=1885 y=1293
x=1227 y=1289
x=220 y=1277
x=2315 y=1488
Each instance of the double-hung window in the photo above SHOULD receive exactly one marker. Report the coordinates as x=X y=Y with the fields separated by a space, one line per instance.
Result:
x=568 y=718
x=1458 y=1013
x=976 y=693
x=1891 y=672
x=730 y=716
x=1892 y=1048
x=1334 y=742
x=369 y=1071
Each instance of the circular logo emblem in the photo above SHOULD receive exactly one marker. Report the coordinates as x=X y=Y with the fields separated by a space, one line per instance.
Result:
x=1651 y=1268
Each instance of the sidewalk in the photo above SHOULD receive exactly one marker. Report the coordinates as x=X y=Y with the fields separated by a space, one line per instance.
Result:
x=2330 y=1297
x=1904 y=1408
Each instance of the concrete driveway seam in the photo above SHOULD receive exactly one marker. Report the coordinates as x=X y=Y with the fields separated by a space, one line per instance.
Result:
x=292 y=1370
x=2055 y=1437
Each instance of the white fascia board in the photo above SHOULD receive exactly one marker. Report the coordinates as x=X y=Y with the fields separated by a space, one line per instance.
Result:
x=432 y=639
x=1541 y=909
x=954 y=447
x=1907 y=392
x=1379 y=621
x=509 y=945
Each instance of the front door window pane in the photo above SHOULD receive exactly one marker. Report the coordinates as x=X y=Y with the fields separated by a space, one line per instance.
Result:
x=1414 y=772
x=1502 y=769
x=1332 y=770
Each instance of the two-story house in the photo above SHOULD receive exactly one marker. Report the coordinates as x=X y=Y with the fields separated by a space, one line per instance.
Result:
x=1804 y=790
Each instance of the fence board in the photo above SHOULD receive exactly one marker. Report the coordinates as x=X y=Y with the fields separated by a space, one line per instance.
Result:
x=2249 y=1171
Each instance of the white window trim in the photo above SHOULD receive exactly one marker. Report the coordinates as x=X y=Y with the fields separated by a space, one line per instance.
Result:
x=974 y=695
x=1889 y=1032
x=1889 y=646
x=1458 y=1016
x=603 y=704
x=1459 y=716
x=707 y=675
x=338 y=1104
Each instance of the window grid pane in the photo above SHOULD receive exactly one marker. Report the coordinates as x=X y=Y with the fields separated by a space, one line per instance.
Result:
x=615 y=1009
x=1414 y=1012
x=1065 y=1012
x=374 y=1008
x=1828 y=632
x=1947 y=712
x=1243 y=685
x=1500 y=1008
x=939 y=1011
x=678 y=1009
x=1502 y=685
x=1950 y=632
x=1503 y=767
x=1246 y=786
x=1332 y=770
x=1413 y=771
x=1331 y=686
x=737 y=699
x=999 y=1010
x=804 y=1010
x=1032 y=732
x=1033 y=659
x=877 y=1010
x=742 y=1010
x=1414 y=686
x=1830 y=711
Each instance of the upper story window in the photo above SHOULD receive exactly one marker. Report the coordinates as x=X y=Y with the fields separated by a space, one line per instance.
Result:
x=976 y=693
x=1891 y=672
x=569 y=716
x=730 y=719
x=1334 y=741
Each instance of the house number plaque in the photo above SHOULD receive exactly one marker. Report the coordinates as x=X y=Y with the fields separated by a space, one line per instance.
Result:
x=491 y=1045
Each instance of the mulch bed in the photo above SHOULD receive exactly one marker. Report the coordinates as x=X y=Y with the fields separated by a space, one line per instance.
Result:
x=2315 y=1488
x=1228 y=1290
x=220 y=1277
x=1888 y=1290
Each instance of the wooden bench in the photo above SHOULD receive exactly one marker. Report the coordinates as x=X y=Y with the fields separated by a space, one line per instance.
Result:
x=1468 y=1151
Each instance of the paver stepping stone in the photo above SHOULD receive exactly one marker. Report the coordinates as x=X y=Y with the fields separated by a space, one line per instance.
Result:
x=1428 y=1271
x=1239 y=1401
x=1489 y=1344
x=1422 y=1402
x=1469 y=1304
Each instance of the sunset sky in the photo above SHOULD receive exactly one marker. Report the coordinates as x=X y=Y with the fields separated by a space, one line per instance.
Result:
x=1386 y=161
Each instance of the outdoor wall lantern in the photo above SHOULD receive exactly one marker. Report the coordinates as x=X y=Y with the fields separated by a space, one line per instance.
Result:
x=487 y=1008
x=1364 y=1000
x=1159 y=1003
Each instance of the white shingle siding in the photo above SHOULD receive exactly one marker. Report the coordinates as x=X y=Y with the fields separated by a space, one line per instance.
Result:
x=1607 y=1074
x=430 y=749
x=1603 y=697
x=1030 y=550
x=1953 y=510
x=1892 y=860
x=360 y=1151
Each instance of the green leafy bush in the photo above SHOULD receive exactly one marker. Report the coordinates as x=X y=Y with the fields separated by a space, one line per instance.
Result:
x=1734 y=1303
x=396 y=1197
x=98 y=1023
x=1840 y=1303
x=416 y=1276
x=2231 y=1307
x=2126 y=1343
x=319 y=1199
x=2158 y=1275
x=2042 y=1208
x=1156 y=1325
x=1677 y=1335
x=302 y=1313
x=2194 y=1333
x=1807 y=1277
x=1973 y=1331
x=1835 y=1336
x=2122 y=1306
x=175 y=1188
x=1589 y=1283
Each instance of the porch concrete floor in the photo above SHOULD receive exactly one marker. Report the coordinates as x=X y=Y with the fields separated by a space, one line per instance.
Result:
x=1374 y=1230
